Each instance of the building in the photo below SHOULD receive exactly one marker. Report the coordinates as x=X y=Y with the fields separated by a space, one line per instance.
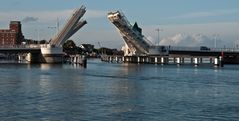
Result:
x=13 y=35
x=87 y=47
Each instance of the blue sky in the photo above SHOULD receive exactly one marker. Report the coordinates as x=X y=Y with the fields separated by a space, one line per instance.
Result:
x=207 y=17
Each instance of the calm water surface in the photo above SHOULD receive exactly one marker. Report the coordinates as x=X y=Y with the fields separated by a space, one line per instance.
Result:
x=115 y=92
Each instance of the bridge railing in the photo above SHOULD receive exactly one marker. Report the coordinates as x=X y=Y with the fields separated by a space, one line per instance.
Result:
x=225 y=49
x=179 y=48
x=21 y=46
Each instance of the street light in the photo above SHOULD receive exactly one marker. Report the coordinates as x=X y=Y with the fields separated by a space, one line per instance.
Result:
x=38 y=36
x=215 y=40
x=158 y=30
x=38 y=33
x=55 y=27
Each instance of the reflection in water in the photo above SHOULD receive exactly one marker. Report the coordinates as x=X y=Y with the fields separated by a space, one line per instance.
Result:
x=107 y=91
x=45 y=66
x=44 y=84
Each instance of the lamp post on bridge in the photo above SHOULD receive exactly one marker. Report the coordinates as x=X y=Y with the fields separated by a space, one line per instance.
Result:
x=55 y=27
x=215 y=40
x=38 y=36
x=158 y=30
x=52 y=27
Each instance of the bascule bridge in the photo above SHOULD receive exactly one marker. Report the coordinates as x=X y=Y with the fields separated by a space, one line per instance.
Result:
x=52 y=52
x=139 y=49
x=135 y=42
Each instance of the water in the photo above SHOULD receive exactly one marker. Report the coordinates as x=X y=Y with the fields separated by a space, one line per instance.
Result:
x=115 y=92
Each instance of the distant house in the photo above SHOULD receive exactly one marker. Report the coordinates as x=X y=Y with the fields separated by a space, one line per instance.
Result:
x=87 y=47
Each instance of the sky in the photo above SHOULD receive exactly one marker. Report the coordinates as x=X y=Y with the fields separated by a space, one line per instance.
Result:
x=213 y=23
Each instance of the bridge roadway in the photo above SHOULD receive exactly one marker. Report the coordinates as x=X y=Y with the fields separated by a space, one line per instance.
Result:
x=229 y=56
x=203 y=53
x=217 y=57
x=19 y=49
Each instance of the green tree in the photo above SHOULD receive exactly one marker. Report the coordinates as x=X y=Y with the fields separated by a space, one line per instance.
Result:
x=70 y=47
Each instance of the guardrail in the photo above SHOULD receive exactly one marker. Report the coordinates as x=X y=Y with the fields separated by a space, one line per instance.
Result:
x=174 y=48
x=20 y=46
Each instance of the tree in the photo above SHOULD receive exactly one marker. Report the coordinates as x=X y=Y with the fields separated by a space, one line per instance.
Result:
x=70 y=47
x=43 y=42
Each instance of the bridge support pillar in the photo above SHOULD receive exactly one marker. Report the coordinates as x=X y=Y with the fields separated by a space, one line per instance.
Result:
x=74 y=59
x=218 y=62
x=178 y=61
x=162 y=60
x=123 y=59
x=196 y=61
x=201 y=60
x=127 y=59
x=51 y=54
x=174 y=60
x=34 y=57
x=143 y=60
x=221 y=63
x=155 y=60
x=111 y=59
x=138 y=59
x=211 y=61
x=147 y=60
x=116 y=59
x=20 y=57
x=182 y=60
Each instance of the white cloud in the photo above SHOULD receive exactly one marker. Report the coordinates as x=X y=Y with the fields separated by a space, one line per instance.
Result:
x=197 y=40
x=195 y=34
x=194 y=40
x=29 y=19
x=203 y=14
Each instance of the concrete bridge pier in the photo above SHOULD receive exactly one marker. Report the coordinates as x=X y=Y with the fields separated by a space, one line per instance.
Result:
x=111 y=59
x=211 y=60
x=218 y=62
x=116 y=59
x=21 y=57
x=178 y=61
x=138 y=59
x=155 y=60
x=196 y=61
x=147 y=60
x=79 y=59
x=164 y=60
x=201 y=60
x=182 y=60
x=34 y=57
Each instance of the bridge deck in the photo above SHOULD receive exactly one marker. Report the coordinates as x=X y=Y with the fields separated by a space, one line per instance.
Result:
x=20 y=50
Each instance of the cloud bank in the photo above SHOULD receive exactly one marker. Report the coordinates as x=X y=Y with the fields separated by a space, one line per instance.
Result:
x=29 y=19
x=196 y=40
